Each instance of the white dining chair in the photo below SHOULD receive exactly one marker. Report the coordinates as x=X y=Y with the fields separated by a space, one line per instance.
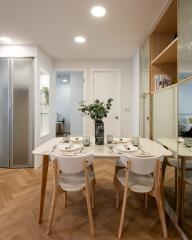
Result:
x=73 y=173
x=141 y=175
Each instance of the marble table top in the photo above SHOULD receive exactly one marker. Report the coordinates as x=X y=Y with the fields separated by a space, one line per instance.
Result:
x=174 y=146
x=147 y=145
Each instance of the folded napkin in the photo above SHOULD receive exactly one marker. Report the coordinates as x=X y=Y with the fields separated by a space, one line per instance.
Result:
x=121 y=140
x=76 y=139
x=69 y=147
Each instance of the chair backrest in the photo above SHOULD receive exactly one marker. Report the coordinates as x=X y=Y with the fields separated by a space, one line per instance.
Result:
x=141 y=165
x=71 y=164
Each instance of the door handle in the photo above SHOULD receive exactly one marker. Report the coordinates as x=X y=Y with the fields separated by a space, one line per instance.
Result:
x=116 y=117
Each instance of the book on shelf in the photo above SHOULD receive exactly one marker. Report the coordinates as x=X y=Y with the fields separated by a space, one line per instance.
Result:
x=162 y=80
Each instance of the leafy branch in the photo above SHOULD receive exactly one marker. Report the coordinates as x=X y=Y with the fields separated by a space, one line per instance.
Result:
x=97 y=110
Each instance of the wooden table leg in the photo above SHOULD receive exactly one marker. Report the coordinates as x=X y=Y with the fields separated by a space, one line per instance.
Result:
x=182 y=191
x=43 y=185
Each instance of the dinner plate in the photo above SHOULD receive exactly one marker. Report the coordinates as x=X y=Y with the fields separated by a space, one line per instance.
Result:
x=68 y=147
x=121 y=140
x=127 y=149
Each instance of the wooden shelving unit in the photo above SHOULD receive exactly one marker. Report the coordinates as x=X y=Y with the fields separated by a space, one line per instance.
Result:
x=163 y=47
x=168 y=55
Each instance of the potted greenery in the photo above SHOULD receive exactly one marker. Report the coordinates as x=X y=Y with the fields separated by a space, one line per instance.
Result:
x=97 y=111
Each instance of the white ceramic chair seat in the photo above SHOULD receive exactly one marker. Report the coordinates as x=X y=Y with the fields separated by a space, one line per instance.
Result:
x=74 y=182
x=137 y=183
x=173 y=162
x=188 y=177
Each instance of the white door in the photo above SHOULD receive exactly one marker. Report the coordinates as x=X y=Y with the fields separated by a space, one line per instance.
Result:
x=107 y=84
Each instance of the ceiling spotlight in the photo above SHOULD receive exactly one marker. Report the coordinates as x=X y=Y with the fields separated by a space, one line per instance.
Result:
x=5 y=40
x=98 y=11
x=64 y=80
x=80 y=39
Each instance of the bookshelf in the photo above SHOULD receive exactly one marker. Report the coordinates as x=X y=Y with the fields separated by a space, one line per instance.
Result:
x=168 y=55
x=163 y=48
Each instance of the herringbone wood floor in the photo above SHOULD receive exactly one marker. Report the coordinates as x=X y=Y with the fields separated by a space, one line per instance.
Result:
x=19 y=205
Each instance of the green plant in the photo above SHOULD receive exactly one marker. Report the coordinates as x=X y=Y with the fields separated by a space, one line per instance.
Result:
x=97 y=110
x=45 y=91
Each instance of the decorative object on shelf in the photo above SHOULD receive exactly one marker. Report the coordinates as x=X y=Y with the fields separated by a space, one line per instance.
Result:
x=45 y=91
x=97 y=111
x=162 y=80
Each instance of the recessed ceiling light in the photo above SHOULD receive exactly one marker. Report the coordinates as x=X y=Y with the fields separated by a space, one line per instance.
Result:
x=98 y=11
x=65 y=80
x=5 y=40
x=80 y=39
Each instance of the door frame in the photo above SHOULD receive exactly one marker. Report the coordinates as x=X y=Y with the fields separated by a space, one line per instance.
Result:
x=84 y=71
x=93 y=70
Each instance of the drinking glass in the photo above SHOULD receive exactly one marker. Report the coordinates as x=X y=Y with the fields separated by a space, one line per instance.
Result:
x=135 y=141
x=66 y=138
x=111 y=146
x=86 y=141
x=109 y=138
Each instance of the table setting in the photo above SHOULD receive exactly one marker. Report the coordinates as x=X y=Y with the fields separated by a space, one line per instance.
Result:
x=74 y=145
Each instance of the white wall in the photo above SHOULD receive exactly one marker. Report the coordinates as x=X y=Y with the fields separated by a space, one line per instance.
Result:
x=46 y=62
x=135 y=96
x=18 y=51
x=126 y=73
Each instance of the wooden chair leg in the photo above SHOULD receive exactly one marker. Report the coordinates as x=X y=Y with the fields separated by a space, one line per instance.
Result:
x=89 y=208
x=93 y=194
x=65 y=199
x=52 y=211
x=146 y=200
x=123 y=212
x=161 y=209
x=118 y=189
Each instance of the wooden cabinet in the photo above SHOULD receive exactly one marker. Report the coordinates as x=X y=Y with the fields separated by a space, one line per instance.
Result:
x=164 y=50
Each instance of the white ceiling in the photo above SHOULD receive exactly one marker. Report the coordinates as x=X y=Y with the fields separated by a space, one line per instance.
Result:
x=52 y=24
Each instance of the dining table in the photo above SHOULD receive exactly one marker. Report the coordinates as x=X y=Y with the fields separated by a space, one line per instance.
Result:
x=147 y=146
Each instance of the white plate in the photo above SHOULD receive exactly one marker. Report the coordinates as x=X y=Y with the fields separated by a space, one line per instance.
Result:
x=121 y=140
x=68 y=147
x=122 y=148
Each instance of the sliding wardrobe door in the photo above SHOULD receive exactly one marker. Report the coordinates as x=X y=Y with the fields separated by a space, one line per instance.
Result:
x=4 y=112
x=22 y=112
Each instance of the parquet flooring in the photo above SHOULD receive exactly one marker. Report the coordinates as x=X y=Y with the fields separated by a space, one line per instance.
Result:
x=19 y=205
